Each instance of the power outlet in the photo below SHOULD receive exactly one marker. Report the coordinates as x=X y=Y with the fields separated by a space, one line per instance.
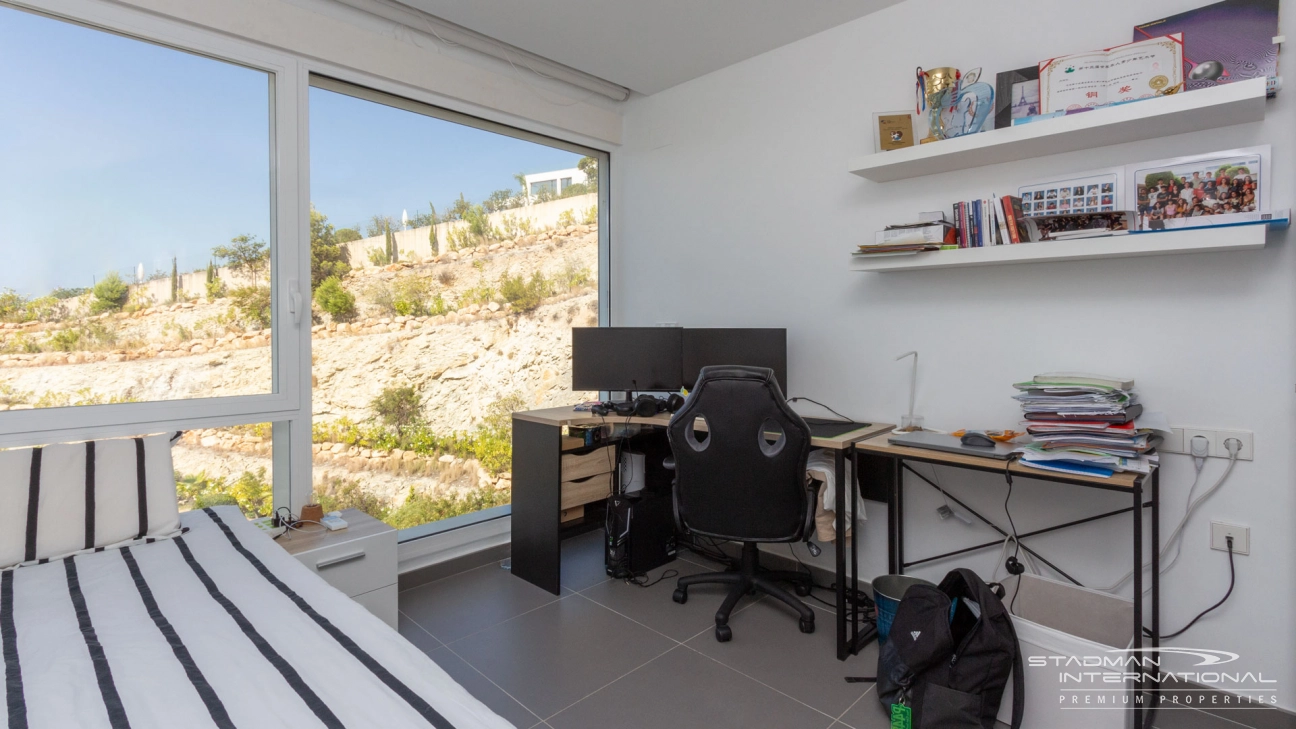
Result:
x=1181 y=438
x=1241 y=537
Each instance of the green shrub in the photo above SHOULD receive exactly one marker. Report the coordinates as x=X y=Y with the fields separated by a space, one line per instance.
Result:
x=420 y=508
x=566 y=218
x=379 y=257
x=398 y=407
x=110 y=294
x=523 y=294
x=251 y=306
x=482 y=293
x=410 y=295
x=65 y=340
x=250 y=492
x=573 y=276
x=333 y=298
x=590 y=215
x=406 y=296
x=337 y=494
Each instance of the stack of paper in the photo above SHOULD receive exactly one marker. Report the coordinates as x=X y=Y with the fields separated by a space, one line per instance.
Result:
x=1087 y=424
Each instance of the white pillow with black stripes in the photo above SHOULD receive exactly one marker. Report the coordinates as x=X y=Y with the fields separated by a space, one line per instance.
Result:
x=73 y=497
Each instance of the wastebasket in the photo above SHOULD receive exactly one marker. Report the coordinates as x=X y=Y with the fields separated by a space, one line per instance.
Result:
x=1072 y=642
x=887 y=591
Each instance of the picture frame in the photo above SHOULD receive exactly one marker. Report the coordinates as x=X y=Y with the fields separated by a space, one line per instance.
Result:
x=893 y=130
x=1016 y=95
x=1096 y=191
x=1157 y=190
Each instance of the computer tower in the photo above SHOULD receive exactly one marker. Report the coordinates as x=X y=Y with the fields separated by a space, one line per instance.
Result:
x=640 y=532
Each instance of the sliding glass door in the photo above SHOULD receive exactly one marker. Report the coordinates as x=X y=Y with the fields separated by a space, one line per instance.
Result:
x=450 y=259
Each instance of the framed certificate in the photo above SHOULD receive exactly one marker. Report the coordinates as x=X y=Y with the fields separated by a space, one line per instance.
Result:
x=1153 y=67
x=892 y=130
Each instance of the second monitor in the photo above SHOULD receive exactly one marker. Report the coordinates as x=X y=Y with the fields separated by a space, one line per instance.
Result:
x=752 y=347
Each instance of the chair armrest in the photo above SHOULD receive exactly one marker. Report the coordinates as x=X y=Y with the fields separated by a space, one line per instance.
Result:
x=669 y=463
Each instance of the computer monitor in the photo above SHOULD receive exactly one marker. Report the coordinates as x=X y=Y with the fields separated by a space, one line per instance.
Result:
x=626 y=358
x=752 y=347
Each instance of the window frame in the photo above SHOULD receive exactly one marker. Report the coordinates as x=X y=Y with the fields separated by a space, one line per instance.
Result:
x=47 y=425
x=291 y=75
x=405 y=102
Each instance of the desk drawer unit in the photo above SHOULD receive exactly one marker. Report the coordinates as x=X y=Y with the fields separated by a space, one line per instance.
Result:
x=577 y=467
x=356 y=566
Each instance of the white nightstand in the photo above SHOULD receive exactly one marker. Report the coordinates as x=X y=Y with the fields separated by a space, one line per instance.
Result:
x=359 y=560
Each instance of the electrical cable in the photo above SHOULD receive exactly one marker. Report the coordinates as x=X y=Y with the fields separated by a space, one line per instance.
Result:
x=825 y=407
x=641 y=580
x=1202 y=614
x=1188 y=511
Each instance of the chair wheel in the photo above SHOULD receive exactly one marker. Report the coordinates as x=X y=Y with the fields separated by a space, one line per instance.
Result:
x=680 y=596
x=807 y=626
x=724 y=634
x=802 y=590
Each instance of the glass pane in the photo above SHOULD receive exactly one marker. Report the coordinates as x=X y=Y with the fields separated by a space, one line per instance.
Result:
x=226 y=466
x=135 y=217
x=445 y=295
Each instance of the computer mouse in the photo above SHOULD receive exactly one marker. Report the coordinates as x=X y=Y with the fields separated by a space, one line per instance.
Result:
x=977 y=439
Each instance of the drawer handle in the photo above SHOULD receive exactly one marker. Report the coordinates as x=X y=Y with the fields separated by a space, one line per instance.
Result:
x=339 y=560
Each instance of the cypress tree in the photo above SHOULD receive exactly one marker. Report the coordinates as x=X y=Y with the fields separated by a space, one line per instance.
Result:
x=175 y=281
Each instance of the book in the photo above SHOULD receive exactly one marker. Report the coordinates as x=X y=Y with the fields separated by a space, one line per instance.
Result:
x=1129 y=414
x=1013 y=211
x=933 y=233
x=1152 y=67
x=1005 y=238
x=1055 y=379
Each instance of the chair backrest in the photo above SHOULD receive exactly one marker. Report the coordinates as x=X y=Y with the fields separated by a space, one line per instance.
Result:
x=740 y=458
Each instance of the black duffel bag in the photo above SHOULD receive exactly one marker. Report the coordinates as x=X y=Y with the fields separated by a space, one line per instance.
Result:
x=949 y=654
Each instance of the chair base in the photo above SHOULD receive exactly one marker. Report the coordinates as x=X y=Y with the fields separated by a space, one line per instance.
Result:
x=745 y=580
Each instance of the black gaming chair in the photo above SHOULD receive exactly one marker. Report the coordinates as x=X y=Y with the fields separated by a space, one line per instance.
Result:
x=742 y=477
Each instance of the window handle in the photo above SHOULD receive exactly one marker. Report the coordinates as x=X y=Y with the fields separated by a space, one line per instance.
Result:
x=294 y=301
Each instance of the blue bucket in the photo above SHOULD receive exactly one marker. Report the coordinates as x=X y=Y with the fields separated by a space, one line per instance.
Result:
x=887 y=591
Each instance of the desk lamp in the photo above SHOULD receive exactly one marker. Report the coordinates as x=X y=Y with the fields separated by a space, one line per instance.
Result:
x=911 y=423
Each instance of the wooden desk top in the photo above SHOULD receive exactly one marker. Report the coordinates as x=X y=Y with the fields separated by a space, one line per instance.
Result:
x=313 y=536
x=878 y=444
x=570 y=416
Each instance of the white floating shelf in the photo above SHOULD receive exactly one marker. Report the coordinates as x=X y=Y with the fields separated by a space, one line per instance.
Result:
x=1219 y=106
x=1162 y=243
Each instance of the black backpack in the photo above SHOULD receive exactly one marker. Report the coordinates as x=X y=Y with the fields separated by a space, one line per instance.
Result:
x=949 y=654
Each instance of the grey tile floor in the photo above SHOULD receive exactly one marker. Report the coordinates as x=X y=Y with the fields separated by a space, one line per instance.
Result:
x=607 y=654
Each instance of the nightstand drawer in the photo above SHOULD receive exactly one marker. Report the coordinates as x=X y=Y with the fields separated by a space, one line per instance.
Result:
x=355 y=566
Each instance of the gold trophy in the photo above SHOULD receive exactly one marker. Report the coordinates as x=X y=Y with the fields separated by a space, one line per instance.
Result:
x=931 y=87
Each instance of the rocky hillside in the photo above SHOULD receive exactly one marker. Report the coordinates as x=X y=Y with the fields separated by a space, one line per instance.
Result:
x=465 y=346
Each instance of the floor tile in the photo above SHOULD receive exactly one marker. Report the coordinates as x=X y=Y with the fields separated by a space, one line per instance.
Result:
x=552 y=657
x=412 y=632
x=582 y=561
x=471 y=601
x=1193 y=719
x=1215 y=702
x=482 y=689
x=654 y=607
x=686 y=690
x=769 y=646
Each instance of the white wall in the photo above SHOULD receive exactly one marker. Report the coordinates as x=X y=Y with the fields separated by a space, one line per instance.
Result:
x=733 y=207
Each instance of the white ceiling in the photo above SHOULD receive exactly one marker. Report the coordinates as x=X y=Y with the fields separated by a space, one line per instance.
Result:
x=648 y=45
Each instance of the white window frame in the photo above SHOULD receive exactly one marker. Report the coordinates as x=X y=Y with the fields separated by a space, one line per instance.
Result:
x=288 y=407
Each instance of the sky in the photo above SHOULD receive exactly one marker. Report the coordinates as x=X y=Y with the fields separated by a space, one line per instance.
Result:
x=116 y=152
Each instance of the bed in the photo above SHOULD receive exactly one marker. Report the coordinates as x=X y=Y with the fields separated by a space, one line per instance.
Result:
x=217 y=626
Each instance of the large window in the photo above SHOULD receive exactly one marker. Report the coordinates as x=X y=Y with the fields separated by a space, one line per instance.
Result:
x=444 y=299
x=135 y=216
x=166 y=270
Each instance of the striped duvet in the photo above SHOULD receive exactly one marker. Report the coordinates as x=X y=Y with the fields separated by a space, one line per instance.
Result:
x=218 y=627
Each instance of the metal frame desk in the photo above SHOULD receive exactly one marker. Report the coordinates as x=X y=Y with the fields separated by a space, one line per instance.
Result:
x=886 y=464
